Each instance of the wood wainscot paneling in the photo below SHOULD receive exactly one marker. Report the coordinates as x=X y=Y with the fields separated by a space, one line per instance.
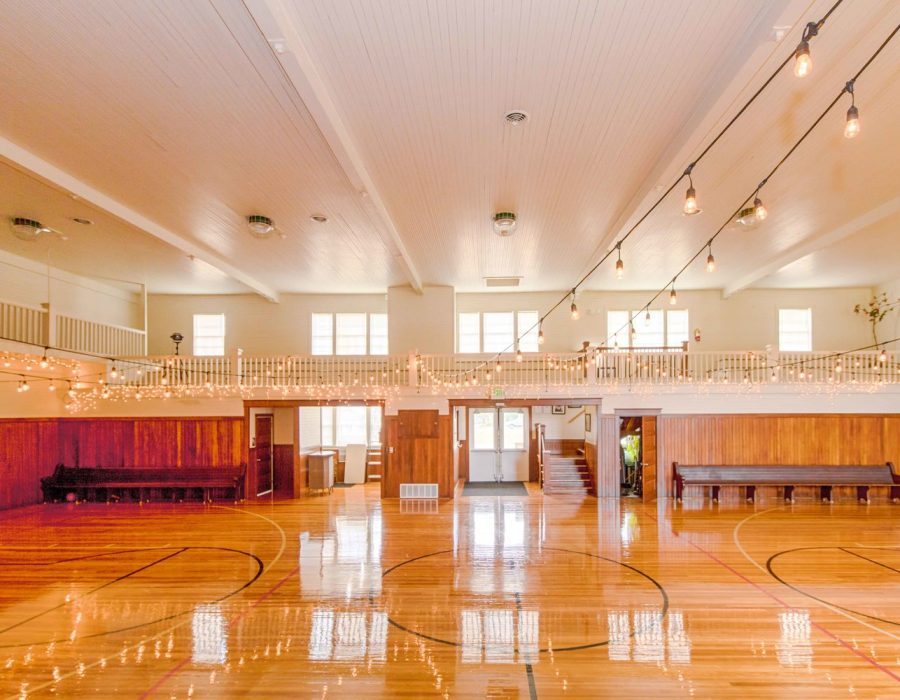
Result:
x=418 y=448
x=563 y=446
x=29 y=450
x=590 y=457
x=821 y=439
x=283 y=457
x=607 y=480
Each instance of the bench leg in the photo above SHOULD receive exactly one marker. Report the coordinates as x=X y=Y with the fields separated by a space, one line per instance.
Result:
x=715 y=494
x=751 y=494
x=862 y=493
x=789 y=493
x=825 y=493
x=895 y=494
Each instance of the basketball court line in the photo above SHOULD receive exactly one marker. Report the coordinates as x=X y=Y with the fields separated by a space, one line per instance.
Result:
x=735 y=535
x=778 y=600
x=105 y=659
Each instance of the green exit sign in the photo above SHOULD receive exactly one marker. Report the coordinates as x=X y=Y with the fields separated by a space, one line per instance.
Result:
x=497 y=392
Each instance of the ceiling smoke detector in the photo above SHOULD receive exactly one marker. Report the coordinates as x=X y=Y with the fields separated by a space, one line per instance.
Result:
x=30 y=230
x=516 y=116
x=504 y=223
x=260 y=226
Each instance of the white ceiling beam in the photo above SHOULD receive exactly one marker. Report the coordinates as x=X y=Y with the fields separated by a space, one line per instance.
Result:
x=19 y=157
x=720 y=101
x=813 y=243
x=275 y=20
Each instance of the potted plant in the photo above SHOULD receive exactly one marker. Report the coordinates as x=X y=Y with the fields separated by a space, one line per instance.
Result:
x=875 y=311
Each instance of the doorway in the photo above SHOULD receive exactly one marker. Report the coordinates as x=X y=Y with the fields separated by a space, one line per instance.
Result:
x=498 y=444
x=264 y=454
x=637 y=457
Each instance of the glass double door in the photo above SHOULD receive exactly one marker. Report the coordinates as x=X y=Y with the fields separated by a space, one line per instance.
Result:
x=498 y=444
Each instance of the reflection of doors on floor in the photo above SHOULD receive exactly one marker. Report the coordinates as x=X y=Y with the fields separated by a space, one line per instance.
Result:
x=264 y=462
x=498 y=444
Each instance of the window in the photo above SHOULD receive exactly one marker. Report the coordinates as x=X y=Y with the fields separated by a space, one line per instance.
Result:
x=795 y=330
x=209 y=334
x=655 y=329
x=322 y=334
x=349 y=334
x=497 y=331
x=378 y=334
x=513 y=430
x=469 y=332
x=483 y=429
x=677 y=327
x=351 y=425
x=527 y=330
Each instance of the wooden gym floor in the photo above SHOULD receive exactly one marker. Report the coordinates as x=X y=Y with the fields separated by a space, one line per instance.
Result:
x=512 y=597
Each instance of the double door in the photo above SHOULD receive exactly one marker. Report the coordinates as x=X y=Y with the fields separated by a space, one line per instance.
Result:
x=498 y=444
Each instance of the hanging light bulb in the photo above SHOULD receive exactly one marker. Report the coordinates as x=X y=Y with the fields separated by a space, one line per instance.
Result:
x=759 y=210
x=647 y=318
x=498 y=367
x=541 y=333
x=620 y=266
x=882 y=358
x=802 y=60
x=44 y=361
x=114 y=373
x=138 y=395
x=673 y=296
x=52 y=387
x=851 y=129
x=710 y=261
x=518 y=355
x=71 y=391
x=690 y=197
x=574 y=308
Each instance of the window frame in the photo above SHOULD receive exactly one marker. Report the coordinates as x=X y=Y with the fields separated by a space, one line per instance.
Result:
x=808 y=331
x=517 y=331
x=333 y=316
x=195 y=336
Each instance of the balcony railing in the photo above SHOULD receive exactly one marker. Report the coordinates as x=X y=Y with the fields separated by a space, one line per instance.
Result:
x=446 y=373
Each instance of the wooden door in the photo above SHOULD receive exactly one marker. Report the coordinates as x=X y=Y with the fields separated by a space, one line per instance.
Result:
x=264 y=463
x=648 y=447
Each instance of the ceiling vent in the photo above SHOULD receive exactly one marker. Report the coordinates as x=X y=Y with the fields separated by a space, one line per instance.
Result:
x=502 y=281
x=260 y=226
x=516 y=116
x=504 y=223
x=30 y=230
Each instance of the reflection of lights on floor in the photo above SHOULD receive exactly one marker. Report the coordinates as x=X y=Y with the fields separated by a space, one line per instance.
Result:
x=347 y=636
x=794 y=647
x=210 y=635
x=493 y=636
x=640 y=636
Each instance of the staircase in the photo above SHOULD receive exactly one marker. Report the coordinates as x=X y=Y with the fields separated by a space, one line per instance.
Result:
x=373 y=464
x=566 y=473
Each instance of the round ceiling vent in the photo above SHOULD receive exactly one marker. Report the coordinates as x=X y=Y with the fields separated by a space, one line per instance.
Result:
x=504 y=223
x=516 y=116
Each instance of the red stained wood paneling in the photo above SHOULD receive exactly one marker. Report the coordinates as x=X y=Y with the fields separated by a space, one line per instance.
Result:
x=423 y=452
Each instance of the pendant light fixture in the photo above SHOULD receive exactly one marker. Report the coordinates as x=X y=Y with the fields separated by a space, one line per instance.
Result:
x=802 y=61
x=690 y=197
x=573 y=309
x=540 y=332
x=851 y=129
x=710 y=261
x=620 y=266
x=673 y=295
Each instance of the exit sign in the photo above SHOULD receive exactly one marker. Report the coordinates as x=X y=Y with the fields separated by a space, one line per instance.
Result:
x=497 y=393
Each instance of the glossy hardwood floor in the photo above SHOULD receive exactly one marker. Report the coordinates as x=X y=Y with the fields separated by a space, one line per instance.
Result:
x=513 y=597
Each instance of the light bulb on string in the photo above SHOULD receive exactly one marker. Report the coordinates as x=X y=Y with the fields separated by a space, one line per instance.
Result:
x=882 y=358
x=647 y=318
x=541 y=333
x=690 y=197
x=673 y=295
x=44 y=361
x=620 y=266
x=52 y=387
x=710 y=261
x=499 y=367
x=851 y=129
x=802 y=61
x=759 y=209
x=573 y=309
x=518 y=355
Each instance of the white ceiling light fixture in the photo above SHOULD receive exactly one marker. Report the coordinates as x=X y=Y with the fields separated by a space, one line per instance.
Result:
x=30 y=230
x=260 y=226
x=504 y=223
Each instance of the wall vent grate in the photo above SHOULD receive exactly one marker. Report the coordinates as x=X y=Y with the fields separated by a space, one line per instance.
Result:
x=418 y=490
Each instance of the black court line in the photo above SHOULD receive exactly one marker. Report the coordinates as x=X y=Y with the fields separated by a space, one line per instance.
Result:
x=579 y=647
x=529 y=670
x=873 y=561
x=246 y=584
x=770 y=568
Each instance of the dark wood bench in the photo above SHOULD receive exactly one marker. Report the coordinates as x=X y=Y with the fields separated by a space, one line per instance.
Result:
x=107 y=484
x=752 y=476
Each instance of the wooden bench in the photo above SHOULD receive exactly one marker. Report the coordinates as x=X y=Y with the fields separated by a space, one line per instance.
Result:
x=106 y=484
x=752 y=476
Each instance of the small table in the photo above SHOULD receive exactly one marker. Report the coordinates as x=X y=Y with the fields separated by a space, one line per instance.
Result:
x=321 y=471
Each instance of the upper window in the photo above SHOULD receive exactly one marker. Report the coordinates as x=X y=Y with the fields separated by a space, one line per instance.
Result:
x=209 y=334
x=349 y=334
x=351 y=425
x=497 y=331
x=649 y=329
x=795 y=330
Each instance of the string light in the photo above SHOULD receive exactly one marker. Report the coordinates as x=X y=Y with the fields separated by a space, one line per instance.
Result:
x=759 y=209
x=710 y=261
x=52 y=387
x=620 y=266
x=690 y=197
x=882 y=358
x=802 y=60
x=541 y=333
x=851 y=129
x=44 y=361
x=647 y=318
x=499 y=367
x=573 y=309
x=518 y=355
x=673 y=295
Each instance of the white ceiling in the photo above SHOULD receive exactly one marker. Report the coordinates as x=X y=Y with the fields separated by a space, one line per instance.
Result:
x=174 y=120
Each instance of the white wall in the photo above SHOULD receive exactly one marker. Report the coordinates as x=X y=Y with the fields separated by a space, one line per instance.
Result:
x=746 y=321
x=560 y=427
x=252 y=323
x=24 y=281
x=310 y=427
x=425 y=322
x=889 y=327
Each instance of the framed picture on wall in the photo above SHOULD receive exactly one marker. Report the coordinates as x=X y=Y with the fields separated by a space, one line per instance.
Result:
x=558 y=410
x=587 y=422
